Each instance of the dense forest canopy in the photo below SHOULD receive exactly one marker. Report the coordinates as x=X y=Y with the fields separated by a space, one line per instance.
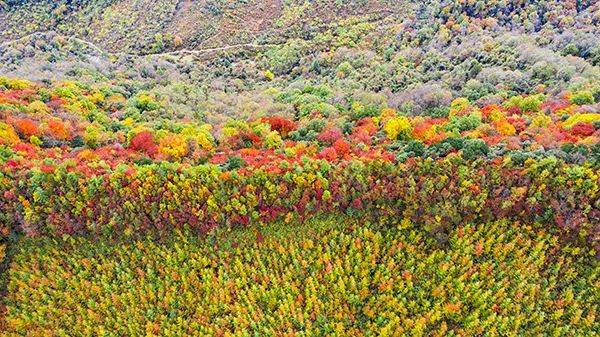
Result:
x=353 y=167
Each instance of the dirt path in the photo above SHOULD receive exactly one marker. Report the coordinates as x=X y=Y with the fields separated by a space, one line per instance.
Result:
x=170 y=53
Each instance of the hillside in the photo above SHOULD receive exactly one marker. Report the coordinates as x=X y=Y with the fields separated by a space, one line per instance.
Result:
x=128 y=26
x=399 y=51
x=298 y=168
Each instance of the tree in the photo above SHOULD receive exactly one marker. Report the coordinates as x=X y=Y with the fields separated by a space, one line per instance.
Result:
x=398 y=128
x=144 y=142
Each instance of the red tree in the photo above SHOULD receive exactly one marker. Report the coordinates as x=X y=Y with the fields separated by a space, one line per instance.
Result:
x=144 y=142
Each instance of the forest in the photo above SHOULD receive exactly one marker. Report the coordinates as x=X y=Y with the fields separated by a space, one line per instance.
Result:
x=299 y=168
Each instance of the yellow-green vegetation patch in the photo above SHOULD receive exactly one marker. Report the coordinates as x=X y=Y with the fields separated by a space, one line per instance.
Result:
x=497 y=279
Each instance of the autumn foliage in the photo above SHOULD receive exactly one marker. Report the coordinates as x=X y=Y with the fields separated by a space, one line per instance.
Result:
x=144 y=142
x=75 y=166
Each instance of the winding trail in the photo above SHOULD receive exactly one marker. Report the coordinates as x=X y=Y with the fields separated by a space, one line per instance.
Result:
x=100 y=51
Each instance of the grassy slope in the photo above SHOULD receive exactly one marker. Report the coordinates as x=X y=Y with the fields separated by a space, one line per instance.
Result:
x=325 y=277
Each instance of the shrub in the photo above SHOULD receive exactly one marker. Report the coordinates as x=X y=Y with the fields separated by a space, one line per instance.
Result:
x=583 y=129
x=144 y=142
x=309 y=131
x=437 y=112
x=282 y=125
x=273 y=140
x=582 y=98
x=531 y=103
x=505 y=128
x=234 y=163
x=94 y=135
x=173 y=146
x=398 y=128
x=341 y=147
x=463 y=123
x=77 y=142
x=474 y=148
x=581 y=118
x=200 y=135
x=283 y=59
x=329 y=135
x=8 y=136
x=26 y=127
x=268 y=75
x=541 y=121
x=144 y=102
x=58 y=130
x=38 y=107
x=35 y=140
x=18 y=84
